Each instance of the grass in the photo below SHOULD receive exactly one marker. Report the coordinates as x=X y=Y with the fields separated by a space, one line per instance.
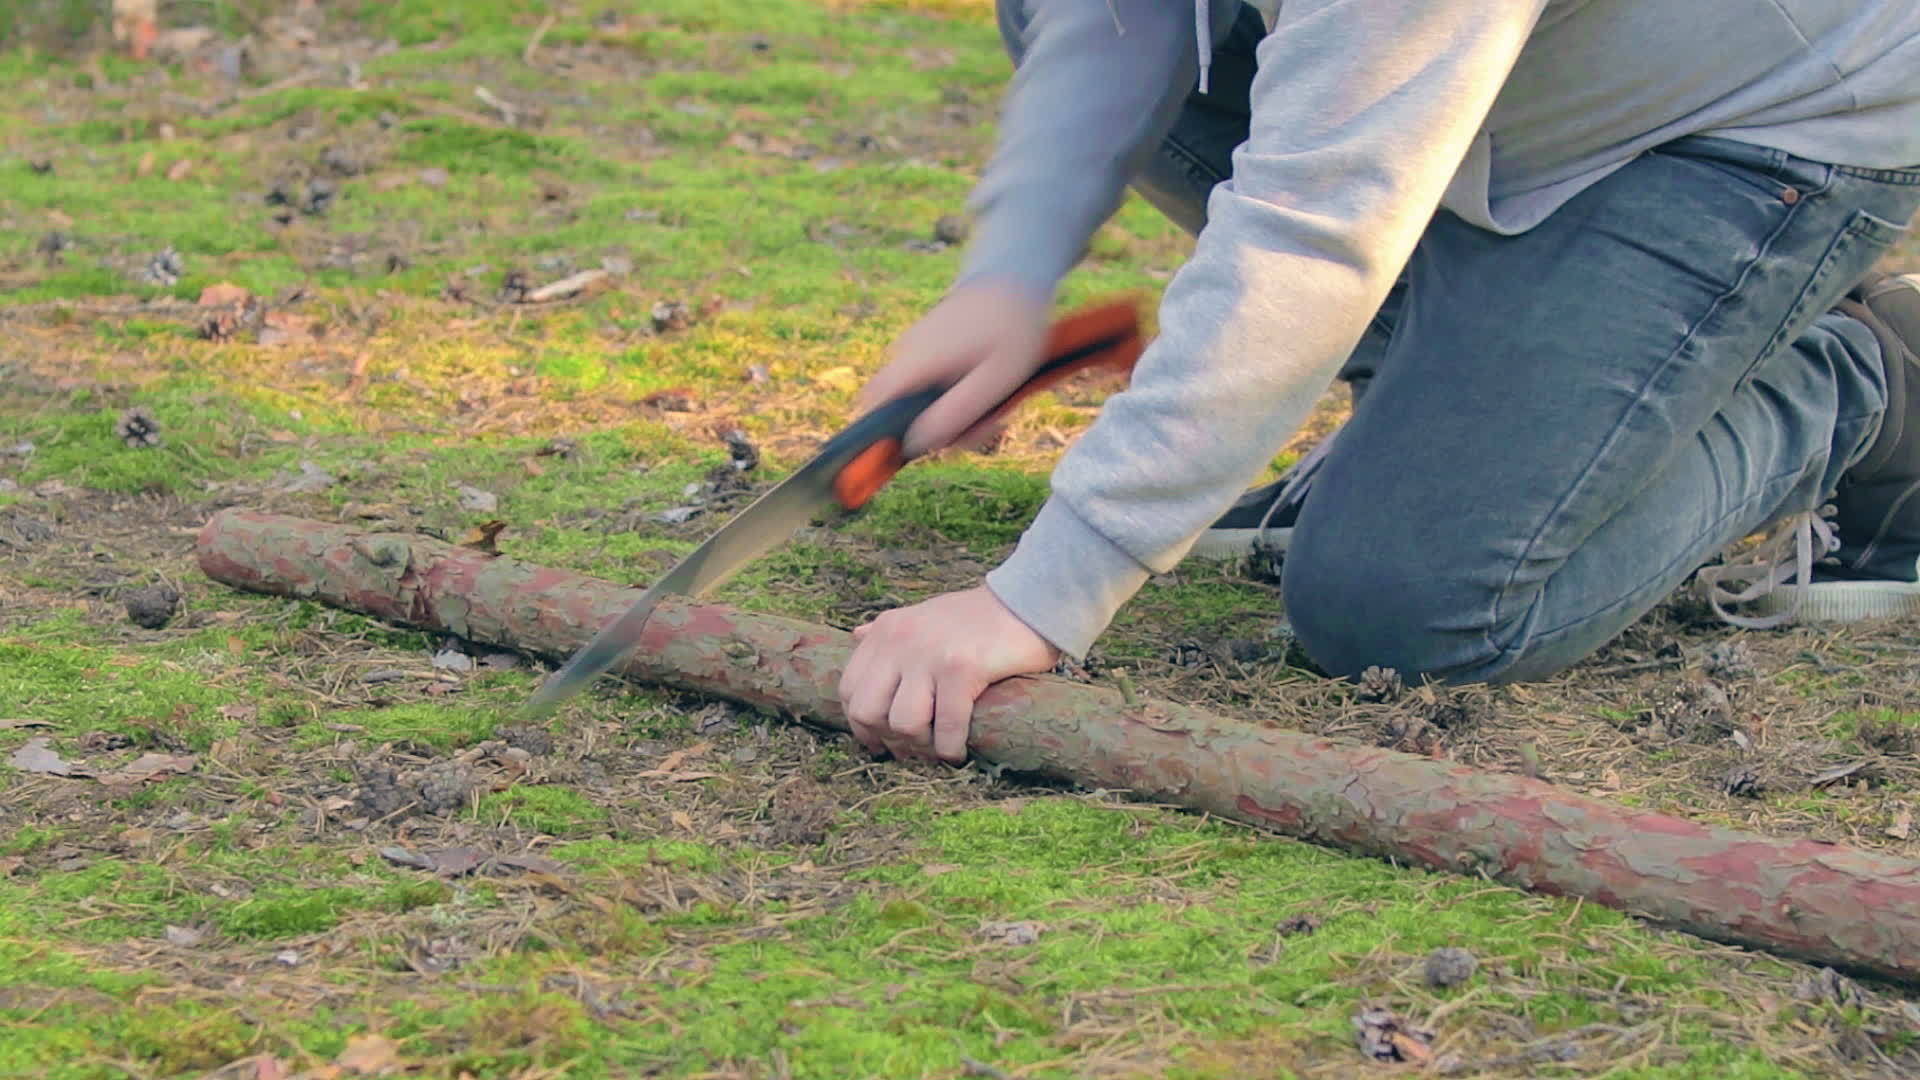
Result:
x=774 y=905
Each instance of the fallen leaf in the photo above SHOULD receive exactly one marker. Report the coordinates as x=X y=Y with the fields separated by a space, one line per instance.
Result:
x=539 y=864
x=285 y=328
x=455 y=861
x=235 y=645
x=452 y=660
x=1902 y=826
x=1837 y=773
x=840 y=378
x=473 y=498
x=1410 y=1048
x=312 y=478
x=1382 y=1037
x=400 y=856
x=672 y=399
x=682 y=819
x=935 y=869
x=185 y=936
x=484 y=537
x=25 y=722
x=39 y=757
x=239 y=713
x=10 y=863
x=1011 y=933
x=677 y=758
x=178 y=170
x=369 y=1055
x=147 y=162
x=1297 y=924
x=223 y=294
x=149 y=767
x=60 y=219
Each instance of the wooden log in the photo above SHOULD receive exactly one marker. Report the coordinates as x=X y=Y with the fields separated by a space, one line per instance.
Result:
x=1854 y=910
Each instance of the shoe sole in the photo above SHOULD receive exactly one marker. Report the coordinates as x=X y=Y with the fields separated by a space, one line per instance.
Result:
x=1237 y=543
x=1845 y=601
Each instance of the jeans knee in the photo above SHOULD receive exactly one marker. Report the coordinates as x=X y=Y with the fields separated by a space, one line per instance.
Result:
x=1349 y=614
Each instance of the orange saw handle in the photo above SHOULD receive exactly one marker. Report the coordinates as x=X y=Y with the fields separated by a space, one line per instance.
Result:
x=1105 y=335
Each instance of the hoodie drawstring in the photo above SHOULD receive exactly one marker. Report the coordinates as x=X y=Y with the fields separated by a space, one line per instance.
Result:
x=1203 y=31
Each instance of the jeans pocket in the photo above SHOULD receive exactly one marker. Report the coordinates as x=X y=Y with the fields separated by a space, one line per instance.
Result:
x=1859 y=243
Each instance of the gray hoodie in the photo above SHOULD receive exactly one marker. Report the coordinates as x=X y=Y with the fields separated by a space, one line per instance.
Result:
x=1367 y=116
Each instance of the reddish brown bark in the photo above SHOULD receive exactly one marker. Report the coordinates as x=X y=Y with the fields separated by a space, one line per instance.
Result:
x=1853 y=909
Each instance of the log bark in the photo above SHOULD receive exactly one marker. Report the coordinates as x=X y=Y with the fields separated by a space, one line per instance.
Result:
x=1852 y=909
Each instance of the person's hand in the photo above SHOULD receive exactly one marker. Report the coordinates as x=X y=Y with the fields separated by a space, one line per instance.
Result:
x=915 y=673
x=985 y=338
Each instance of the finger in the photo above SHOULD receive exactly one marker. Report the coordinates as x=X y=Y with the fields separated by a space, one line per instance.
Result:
x=979 y=436
x=964 y=409
x=914 y=366
x=866 y=695
x=964 y=406
x=860 y=632
x=910 y=721
x=953 y=701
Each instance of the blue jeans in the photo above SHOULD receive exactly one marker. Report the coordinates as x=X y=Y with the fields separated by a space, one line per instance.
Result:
x=1558 y=428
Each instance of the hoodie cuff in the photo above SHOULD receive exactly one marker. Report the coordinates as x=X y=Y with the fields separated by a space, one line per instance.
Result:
x=1065 y=580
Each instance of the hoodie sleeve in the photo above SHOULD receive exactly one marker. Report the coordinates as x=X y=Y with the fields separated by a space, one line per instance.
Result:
x=1363 y=110
x=1095 y=93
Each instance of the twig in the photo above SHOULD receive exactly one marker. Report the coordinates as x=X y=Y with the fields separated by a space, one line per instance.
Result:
x=526 y=54
x=570 y=286
x=1643 y=665
x=976 y=1067
x=507 y=112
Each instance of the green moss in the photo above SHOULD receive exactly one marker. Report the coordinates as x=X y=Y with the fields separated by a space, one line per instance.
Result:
x=551 y=809
x=1847 y=725
x=498 y=151
x=439 y=726
x=291 y=911
x=154 y=701
x=981 y=509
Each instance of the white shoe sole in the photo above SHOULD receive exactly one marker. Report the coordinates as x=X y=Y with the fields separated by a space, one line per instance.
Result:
x=1237 y=543
x=1845 y=601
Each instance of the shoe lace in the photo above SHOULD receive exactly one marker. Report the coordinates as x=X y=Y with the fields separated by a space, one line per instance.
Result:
x=1295 y=487
x=1785 y=555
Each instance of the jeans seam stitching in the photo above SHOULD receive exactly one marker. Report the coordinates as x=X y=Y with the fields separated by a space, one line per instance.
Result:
x=1899 y=177
x=1535 y=640
x=1640 y=398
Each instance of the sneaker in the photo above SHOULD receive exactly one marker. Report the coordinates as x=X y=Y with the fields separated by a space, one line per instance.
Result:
x=1867 y=565
x=1262 y=520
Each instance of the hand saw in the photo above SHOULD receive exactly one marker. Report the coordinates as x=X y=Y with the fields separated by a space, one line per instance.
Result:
x=848 y=470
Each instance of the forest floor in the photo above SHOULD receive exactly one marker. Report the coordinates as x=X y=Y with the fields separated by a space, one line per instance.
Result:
x=287 y=264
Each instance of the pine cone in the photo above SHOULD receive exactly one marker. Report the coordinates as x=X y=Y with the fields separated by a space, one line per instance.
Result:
x=1730 y=661
x=671 y=315
x=164 y=269
x=1379 y=684
x=138 y=428
x=444 y=787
